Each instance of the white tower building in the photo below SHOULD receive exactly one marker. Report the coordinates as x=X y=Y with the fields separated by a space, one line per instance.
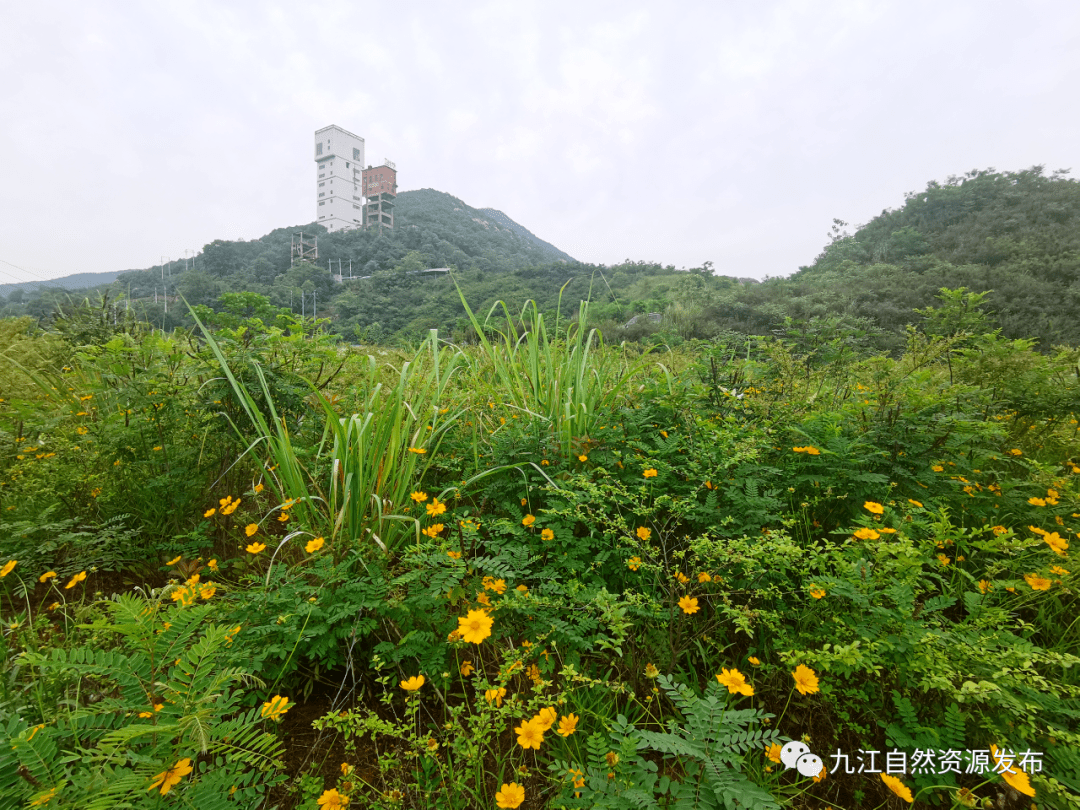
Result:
x=339 y=161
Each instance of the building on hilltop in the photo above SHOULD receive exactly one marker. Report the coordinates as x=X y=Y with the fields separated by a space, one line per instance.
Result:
x=380 y=189
x=339 y=158
x=347 y=194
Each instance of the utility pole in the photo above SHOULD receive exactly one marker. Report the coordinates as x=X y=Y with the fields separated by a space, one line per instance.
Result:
x=315 y=302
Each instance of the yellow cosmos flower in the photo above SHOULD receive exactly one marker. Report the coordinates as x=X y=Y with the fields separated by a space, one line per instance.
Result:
x=644 y=534
x=419 y=497
x=985 y=586
x=568 y=725
x=1013 y=775
x=817 y=593
x=454 y=555
x=171 y=777
x=209 y=512
x=251 y=528
x=735 y=682
x=255 y=548
x=434 y=530
x=483 y=599
x=806 y=680
x=1057 y=569
x=1016 y=452
x=914 y=503
x=583 y=457
x=418 y=450
x=528 y=520
x=874 y=507
x=689 y=604
x=413 y=683
x=1037 y=583
x=467 y=669
x=897 y=787
x=275 y=707
x=332 y=800
x=436 y=507
x=634 y=563
x=938 y=468
x=476 y=626
x=212 y=565
x=208 y=590
x=681 y=577
x=651 y=672
x=230 y=508
x=8 y=568
x=943 y=560
x=509 y=796
x=704 y=576
x=650 y=473
x=865 y=533
x=75 y=580
x=530 y=734
x=754 y=661
x=495 y=695
x=547 y=534
x=773 y=752
x=46 y=576
x=314 y=545
x=1037 y=501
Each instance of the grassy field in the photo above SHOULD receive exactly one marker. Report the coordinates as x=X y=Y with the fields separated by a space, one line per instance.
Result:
x=259 y=569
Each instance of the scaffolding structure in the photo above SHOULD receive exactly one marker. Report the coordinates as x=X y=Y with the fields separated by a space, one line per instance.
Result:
x=303 y=250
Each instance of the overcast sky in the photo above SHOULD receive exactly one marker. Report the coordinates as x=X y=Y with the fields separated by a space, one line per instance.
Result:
x=725 y=131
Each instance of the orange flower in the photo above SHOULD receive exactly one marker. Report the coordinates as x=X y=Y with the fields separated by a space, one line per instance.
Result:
x=689 y=604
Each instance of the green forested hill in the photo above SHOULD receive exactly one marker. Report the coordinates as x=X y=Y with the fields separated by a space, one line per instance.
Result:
x=1015 y=236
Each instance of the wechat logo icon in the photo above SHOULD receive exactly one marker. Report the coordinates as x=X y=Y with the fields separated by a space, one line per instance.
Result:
x=798 y=755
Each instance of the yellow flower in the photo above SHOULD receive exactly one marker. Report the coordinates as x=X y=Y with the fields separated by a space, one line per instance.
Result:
x=1036 y=501
x=817 y=593
x=251 y=528
x=689 y=604
x=332 y=800
x=208 y=590
x=875 y=508
x=612 y=758
x=651 y=672
x=75 y=580
x=914 y=503
x=985 y=586
x=259 y=488
x=1016 y=452
x=209 y=512
x=212 y=565
x=938 y=468
x=168 y=779
x=1057 y=569
x=1058 y=543
x=255 y=548
x=510 y=796
x=230 y=508
x=418 y=450
x=547 y=534
x=897 y=787
x=314 y=545
x=275 y=707
x=806 y=680
x=644 y=534
x=433 y=531
x=483 y=599
x=476 y=626
x=46 y=576
x=634 y=563
x=413 y=683
x=523 y=588
x=773 y=752
x=865 y=533
x=683 y=578
x=436 y=507
x=497 y=585
x=8 y=568
x=528 y=520
x=530 y=734
x=1037 y=583
x=704 y=576
x=568 y=725
x=650 y=473
x=419 y=497
x=754 y=661
x=943 y=560
x=495 y=695
x=1013 y=775
x=735 y=682
x=467 y=669
x=583 y=457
